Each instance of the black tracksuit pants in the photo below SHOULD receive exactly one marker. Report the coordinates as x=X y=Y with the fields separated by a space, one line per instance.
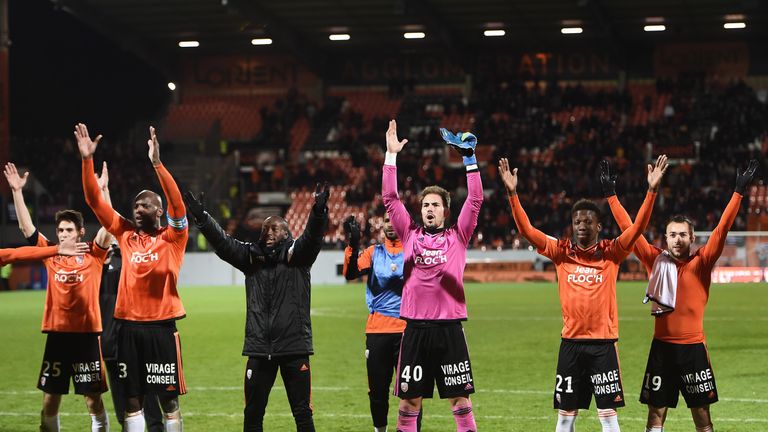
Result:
x=260 y=374
x=382 y=352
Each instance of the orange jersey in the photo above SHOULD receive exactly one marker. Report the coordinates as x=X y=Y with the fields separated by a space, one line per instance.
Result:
x=26 y=253
x=72 y=297
x=151 y=262
x=685 y=325
x=586 y=278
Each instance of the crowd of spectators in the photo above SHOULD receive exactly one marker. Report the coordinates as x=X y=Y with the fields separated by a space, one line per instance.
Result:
x=711 y=127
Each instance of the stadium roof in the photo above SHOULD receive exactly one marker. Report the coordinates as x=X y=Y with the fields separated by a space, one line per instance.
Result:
x=153 y=29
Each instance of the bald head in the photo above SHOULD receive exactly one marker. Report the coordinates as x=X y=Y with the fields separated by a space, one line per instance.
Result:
x=147 y=209
x=274 y=231
x=148 y=194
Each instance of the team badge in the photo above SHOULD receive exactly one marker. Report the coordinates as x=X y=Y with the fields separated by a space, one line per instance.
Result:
x=42 y=381
x=248 y=373
x=393 y=267
x=79 y=259
x=404 y=387
x=366 y=353
x=557 y=397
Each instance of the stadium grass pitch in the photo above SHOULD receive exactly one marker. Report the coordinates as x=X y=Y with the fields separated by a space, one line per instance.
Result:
x=513 y=335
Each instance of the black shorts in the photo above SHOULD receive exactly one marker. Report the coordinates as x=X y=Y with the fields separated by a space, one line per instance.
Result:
x=75 y=355
x=675 y=368
x=585 y=368
x=434 y=352
x=149 y=359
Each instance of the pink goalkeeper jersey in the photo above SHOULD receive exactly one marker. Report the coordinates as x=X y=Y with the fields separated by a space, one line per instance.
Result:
x=434 y=263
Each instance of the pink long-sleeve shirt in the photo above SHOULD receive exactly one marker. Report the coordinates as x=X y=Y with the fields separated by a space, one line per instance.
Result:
x=434 y=263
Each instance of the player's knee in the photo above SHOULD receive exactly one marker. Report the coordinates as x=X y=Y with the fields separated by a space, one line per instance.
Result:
x=51 y=404
x=410 y=404
x=460 y=401
x=133 y=405
x=173 y=415
x=169 y=405
x=94 y=402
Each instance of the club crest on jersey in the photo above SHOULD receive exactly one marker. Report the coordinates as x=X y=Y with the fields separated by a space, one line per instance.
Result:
x=80 y=259
x=404 y=387
x=248 y=373
x=148 y=256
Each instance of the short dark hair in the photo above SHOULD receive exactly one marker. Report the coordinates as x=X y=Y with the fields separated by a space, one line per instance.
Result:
x=680 y=219
x=73 y=216
x=437 y=190
x=585 y=204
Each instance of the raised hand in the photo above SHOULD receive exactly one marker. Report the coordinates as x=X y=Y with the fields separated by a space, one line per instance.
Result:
x=656 y=172
x=195 y=205
x=103 y=179
x=607 y=180
x=744 y=178
x=15 y=181
x=70 y=247
x=393 y=144
x=154 y=147
x=508 y=177
x=86 y=146
x=322 y=192
x=352 y=232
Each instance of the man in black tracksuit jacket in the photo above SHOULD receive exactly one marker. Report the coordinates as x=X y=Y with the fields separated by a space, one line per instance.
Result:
x=278 y=331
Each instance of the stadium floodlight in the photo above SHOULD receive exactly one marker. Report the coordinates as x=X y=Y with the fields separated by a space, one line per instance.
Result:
x=189 y=44
x=339 y=37
x=261 y=41
x=172 y=86
x=734 y=25
x=655 y=28
x=414 y=35
x=571 y=30
x=494 y=33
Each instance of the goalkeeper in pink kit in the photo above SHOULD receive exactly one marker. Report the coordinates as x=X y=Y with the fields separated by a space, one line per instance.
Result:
x=434 y=349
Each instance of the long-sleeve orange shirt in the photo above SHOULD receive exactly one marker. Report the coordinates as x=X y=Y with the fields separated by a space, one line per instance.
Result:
x=586 y=278
x=151 y=262
x=684 y=325
x=26 y=253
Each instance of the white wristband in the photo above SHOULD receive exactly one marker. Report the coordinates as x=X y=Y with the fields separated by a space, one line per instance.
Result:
x=390 y=159
x=472 y=167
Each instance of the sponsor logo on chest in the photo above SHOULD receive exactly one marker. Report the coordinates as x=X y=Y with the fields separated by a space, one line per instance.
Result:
x=430 y=257
x=585 y=275
x=145 y=257
x=71 y=277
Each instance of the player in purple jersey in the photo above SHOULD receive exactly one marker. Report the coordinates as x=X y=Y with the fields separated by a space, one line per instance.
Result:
x=434 y=349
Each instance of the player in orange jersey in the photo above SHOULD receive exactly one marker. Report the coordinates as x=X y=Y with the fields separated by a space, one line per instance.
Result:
x=148 y=303
x=72 y=318
x=679 y=287
x=586 y=271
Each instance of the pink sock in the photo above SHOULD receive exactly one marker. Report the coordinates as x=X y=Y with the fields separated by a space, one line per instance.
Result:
x=465 y=420
x=406 y=421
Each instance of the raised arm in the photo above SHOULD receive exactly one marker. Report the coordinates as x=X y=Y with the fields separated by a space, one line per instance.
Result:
x=398 y=215
x=103 y=237
x=645 y=251
x=714 y=247
x=465 y=143
x=354 y=264
x=656 y=172
x=34 y=253
x=537 y=238
x=306 y=248
x=17 y=182
x=233 y=251
x=177 y=214
x=107 y=216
